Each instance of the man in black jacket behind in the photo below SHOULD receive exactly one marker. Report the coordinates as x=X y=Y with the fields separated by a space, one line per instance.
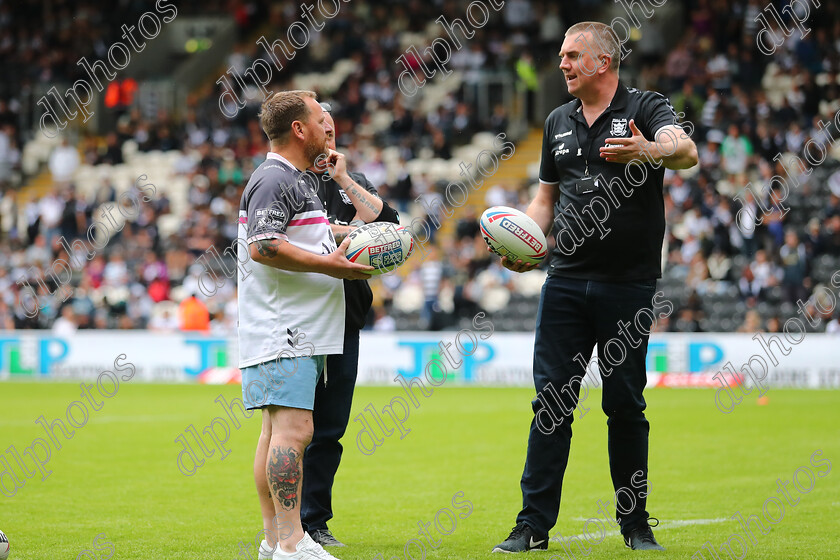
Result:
x=350 y=201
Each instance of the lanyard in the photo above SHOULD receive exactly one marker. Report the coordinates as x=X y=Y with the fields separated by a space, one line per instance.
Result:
x=580 y=146
x=577 y=139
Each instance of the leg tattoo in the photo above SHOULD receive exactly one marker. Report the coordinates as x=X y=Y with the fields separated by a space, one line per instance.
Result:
x=284 y=475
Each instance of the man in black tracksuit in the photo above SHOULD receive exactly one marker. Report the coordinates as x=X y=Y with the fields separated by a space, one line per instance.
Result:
x=601 y=179
x=348 y=206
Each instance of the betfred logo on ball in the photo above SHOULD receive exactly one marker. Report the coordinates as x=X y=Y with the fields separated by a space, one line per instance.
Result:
x=384 y=246
x=386 y=255
x=532 y=241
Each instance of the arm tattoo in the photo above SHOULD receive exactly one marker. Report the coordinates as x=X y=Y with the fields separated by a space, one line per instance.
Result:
x=284 y=473
x=361 y=197
x=339 y=237
x=268 y=247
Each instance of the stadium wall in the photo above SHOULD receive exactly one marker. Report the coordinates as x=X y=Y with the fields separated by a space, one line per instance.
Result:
x=500 y=359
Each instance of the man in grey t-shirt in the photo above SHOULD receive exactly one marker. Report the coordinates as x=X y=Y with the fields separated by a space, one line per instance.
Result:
x=291 y=311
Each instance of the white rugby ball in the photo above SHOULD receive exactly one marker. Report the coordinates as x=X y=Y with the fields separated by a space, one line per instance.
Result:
x=511 y=233
x=382 y=245
x=4 y=546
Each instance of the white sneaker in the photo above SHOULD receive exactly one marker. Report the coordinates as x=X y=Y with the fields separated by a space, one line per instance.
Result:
x=266 y=552
x=306 y=549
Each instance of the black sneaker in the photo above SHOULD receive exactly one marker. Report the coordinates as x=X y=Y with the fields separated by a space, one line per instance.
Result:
x=523 y=539
x=641 y=537
x=325 y=538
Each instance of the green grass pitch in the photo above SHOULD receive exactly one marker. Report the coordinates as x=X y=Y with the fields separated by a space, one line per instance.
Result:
x=118 y=475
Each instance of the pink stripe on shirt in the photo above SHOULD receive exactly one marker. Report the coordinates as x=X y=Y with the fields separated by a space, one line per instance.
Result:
x=309 y=221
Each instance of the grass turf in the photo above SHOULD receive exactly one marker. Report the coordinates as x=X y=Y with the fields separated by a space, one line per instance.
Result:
x=118 y=475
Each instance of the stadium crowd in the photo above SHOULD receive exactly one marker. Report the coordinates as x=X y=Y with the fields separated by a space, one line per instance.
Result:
x=744 y=108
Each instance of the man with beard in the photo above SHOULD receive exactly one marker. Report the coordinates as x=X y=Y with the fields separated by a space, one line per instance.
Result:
x=291 y=311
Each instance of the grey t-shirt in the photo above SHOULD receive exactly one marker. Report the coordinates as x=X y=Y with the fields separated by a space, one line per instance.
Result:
x=277 y=306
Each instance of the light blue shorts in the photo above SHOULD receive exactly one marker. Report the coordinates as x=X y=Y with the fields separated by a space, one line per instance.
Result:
x=283 y=382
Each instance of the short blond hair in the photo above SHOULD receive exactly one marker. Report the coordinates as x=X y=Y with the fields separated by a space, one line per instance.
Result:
x=280 y=110
x=604 y=37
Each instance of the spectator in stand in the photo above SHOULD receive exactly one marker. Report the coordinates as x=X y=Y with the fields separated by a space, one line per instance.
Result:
x=431 y=279
x=820 y=306
x=65 y=325
x=111 y=153
x=51 y=208
x=765 y=272
x=374 y=169
x=116 y=272
x=677 y=65
x=688 y=320
x=794 y=138
x=222 y=325
x=735 y=151
x=720 y=267
x=709 y=153
x=833 y=207
x=775 y=219
x=74 y=217
x=766 y=144
x=834 y=184
x=793 y=255
x=746 y=225
x=402 y=192
x=833 y=326
x=463 y=125
x=7 y=317
x=814 y=243
x=773 y=325
x=441 y=145
x=551 y=27
x=748 y=286
x=64 y=161
x=164 y=321
x=831 y=240
x=9 y=153
x=752 y=323
x=382 y=321
x=698 y=274
x=39 y=253
x=9 y=216
x=193 y=315
x=528 y=77
x=499 y=121
x=467 y=226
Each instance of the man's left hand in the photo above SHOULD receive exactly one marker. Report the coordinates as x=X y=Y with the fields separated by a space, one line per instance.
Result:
x=336 y=164
x=626 y=150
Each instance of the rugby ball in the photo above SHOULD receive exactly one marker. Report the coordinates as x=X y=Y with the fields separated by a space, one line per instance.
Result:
x=382 y=245
x=4 y=546
x=512 y=234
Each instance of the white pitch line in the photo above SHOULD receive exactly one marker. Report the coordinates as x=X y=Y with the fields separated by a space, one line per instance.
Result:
x=662 y=525
x=146 y=418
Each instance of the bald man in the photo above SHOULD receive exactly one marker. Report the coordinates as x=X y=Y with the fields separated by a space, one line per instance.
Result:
x=350 y=201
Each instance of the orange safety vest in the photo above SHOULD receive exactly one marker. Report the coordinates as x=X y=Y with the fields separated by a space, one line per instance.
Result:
x=194 y=315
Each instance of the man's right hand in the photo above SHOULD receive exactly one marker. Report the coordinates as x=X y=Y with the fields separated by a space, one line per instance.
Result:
x=336 y=265
x=517 y=266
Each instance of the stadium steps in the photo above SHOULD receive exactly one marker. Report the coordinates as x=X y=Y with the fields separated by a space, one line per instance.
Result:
x=37 y=187
x=515 y=170
x=510 y=172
